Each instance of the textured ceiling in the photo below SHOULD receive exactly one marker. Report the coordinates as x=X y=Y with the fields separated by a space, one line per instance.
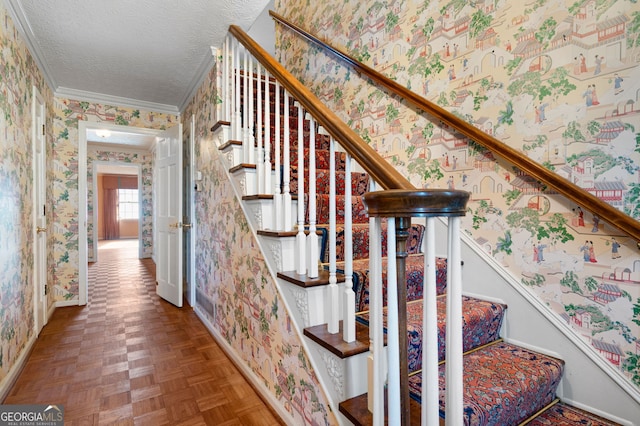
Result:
x=146 y=51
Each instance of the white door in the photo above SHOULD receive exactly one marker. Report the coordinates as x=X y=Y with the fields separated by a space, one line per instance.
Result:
x=40 y=211
x=169 y=215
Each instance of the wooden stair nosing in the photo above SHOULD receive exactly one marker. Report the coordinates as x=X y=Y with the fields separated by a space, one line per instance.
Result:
x=357 y=411
x=242 y=166
x=219 y=124
x=229 y=143
x=301 y=280
x=334 y=342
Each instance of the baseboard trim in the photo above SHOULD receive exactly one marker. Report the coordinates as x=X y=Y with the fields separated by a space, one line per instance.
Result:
x=64 y=303
x=9 y=380
x=257 y=384
x=597 y=412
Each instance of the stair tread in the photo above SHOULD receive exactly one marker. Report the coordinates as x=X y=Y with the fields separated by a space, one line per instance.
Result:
x=334 y=342
x=562 y=414
x=503 y=384
x=481 y=325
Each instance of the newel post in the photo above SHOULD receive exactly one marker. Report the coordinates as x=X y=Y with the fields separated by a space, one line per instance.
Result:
x=399 y=206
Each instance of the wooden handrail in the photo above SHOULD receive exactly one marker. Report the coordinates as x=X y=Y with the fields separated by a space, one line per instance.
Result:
x=573 y=192
x=381 y=171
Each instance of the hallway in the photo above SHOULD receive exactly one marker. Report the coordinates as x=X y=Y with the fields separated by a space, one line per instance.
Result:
x=128 y=357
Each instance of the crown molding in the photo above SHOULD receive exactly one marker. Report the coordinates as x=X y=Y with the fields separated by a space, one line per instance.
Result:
x=23 y=26
x=101 y=98
x=203 y=70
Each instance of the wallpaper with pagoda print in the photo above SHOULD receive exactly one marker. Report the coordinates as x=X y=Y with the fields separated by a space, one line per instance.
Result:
x=18 y=75
x=557 y=80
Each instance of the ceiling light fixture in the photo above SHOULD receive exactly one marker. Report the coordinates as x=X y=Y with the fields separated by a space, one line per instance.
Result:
x=103 y=133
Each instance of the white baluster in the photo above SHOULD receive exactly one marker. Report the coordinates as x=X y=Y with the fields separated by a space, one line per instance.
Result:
x=454 y=394
x=267 y=135
x=277 y=194
x=376 y=364
x=286 y=166
x=430 y=400
x=259 y=132
x=334 y=297
x=226 y=99
x=250 y=126
x=245 y=110
x=393 y=390
x=301 y=238
x=349 y=297
x=237 y=119
x=314 y=254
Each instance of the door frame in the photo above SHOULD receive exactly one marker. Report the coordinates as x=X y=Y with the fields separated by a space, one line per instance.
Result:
x=190 y=183
x=39 y=190
x=138 y=168
x=83 y=127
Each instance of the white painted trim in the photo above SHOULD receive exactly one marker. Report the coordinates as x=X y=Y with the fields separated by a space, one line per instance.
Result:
x=96 y=146
x=102 y=98
x=82 y=214
x=597 y=412
x=256 y=382
x=8 y=381
x=21 y=23
x=192 y=211
x=65 y=303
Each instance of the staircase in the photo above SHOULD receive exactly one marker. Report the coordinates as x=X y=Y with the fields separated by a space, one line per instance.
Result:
x=502 y=383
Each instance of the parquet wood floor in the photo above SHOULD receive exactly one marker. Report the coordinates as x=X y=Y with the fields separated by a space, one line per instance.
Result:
x=130 y=358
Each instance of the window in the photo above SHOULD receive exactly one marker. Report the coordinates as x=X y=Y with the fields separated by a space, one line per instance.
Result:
x=128 y=204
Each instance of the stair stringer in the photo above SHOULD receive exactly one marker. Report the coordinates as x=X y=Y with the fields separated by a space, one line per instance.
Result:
x=331 y=372
x=529 y=323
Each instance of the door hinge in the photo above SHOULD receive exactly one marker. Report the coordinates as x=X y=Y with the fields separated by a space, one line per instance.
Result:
x=46 y=289
x=43 y=130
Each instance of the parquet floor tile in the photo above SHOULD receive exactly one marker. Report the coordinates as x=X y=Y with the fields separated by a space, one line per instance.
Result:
x=130 y=358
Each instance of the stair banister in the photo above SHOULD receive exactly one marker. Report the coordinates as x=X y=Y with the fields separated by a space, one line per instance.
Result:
x=578 y=195
x=402 y=205
x=370 y=161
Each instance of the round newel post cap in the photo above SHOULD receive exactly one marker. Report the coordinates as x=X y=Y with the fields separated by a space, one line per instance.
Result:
x=416 y=203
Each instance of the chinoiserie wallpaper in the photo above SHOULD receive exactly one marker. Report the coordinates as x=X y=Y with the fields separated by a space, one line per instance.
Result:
x=18 y=75
x=67 y=114
x=558 y=80
x=145 y=159
x=235 y=290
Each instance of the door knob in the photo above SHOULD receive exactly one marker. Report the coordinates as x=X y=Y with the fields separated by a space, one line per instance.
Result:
x=173 y=225
x=186 y=225
x=40 y=229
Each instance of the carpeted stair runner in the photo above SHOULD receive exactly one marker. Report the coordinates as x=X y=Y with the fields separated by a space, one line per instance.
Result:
x=481 y=325
x=503 y=384
x=565 y=415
